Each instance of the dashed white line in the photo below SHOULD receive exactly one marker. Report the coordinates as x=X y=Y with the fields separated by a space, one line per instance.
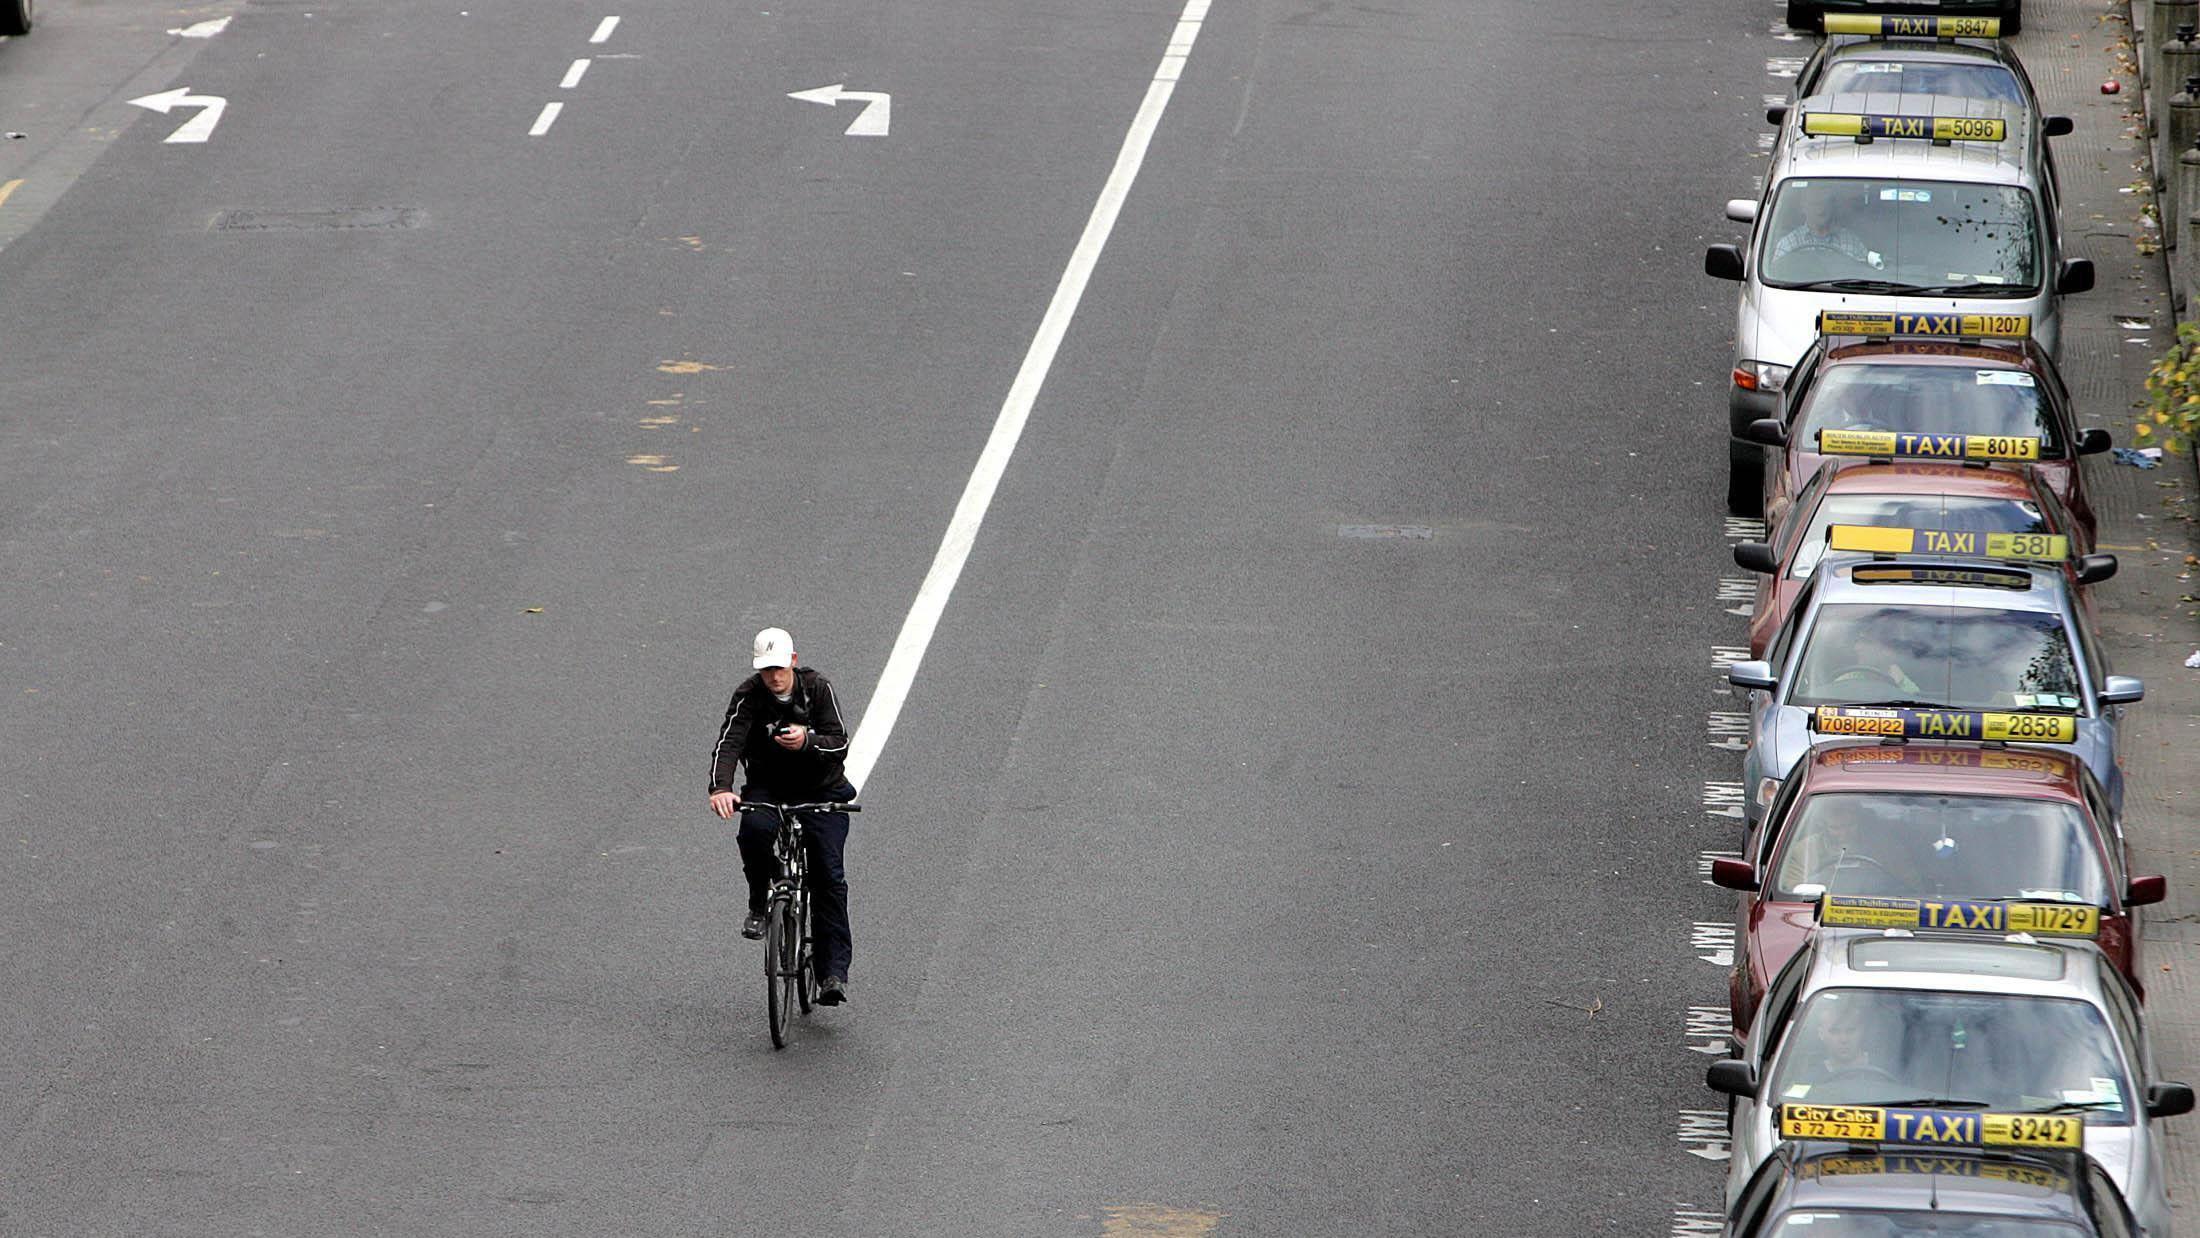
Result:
x=573 y=75
x=604 y=29
x=900 y=674
x=548 y=118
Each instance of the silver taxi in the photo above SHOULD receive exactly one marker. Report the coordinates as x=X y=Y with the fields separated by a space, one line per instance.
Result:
x=1932 y=646
x=1895 y=202
x=2011 y=1025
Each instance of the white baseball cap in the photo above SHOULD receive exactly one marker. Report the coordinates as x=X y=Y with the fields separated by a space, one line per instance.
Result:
x=774 y=648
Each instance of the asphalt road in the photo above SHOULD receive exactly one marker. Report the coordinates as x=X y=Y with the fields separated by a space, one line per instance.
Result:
x=1293 y=826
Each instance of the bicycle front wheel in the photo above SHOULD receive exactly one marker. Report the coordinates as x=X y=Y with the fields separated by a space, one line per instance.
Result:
x=782 y=951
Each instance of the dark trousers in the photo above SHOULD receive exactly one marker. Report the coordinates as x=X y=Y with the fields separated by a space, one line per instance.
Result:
x=824 y=835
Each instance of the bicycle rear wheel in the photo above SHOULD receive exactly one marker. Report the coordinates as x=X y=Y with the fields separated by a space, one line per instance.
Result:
x=782 y=949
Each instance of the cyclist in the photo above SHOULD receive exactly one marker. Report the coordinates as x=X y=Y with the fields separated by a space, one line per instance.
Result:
x=784 y=722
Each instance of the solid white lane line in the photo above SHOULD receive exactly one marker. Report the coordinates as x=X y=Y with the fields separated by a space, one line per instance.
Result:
x=548 y=118
x=894 y=682
x=573 y=75
x=604 y=29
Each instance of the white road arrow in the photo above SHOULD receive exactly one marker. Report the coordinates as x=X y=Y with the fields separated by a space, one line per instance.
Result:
x=871 y=123
x=199 y=127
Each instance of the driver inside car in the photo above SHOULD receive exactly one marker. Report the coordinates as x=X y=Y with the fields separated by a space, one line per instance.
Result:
x=1819 y=231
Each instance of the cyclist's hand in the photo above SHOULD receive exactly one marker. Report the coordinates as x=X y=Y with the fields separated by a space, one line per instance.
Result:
x=725 y=804
x=793 y=737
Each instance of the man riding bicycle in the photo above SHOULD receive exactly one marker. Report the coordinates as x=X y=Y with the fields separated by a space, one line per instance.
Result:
x=784 y=722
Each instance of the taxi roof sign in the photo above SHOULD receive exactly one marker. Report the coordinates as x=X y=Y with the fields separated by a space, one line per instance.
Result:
x=1939 y=130
x=1937 y=325
x=2042 y=919
x=1910 y=445
x=1989 y=726
x=1943 y=1128
x=1968 y=544
x=1917 y=27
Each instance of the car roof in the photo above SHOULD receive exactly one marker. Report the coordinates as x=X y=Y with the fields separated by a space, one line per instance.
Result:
x=1830 y=969
x=1950 y=767
x=1930 y=477
x=1993 y=163
x=1830 y=1176
x=2048 y=594
x=1881 y=47
x=2024 y=354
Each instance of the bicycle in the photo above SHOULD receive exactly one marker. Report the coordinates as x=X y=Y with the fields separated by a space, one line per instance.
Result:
x=788 y=944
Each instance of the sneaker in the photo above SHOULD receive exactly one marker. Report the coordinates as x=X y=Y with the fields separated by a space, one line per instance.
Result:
x=832 y=991
x=753 y=927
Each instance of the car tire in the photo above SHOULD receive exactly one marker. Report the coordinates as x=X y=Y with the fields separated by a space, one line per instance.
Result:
x=1745 y=479
x=15 y=16
x=1802 y=15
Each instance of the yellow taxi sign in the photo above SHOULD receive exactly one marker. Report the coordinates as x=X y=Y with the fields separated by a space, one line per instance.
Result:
x=1985 y=726
x=2042 y=919
x=1946 y=1128
x=1939 y=324
x=1919 y=27
x=1864 y=126
x=1896 y=540
x=1910 y=445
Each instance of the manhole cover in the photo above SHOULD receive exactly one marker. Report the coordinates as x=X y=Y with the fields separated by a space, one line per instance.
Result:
x=341 y=219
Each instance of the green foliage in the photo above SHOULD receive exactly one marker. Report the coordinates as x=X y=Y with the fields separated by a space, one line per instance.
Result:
x=2171 y=414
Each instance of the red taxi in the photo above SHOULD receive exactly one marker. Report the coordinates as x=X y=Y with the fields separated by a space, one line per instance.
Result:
x=1912 y=494
x=1976 y=387
x=1934 y=820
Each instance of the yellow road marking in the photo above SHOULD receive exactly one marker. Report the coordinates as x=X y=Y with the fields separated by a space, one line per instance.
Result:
x=2097 y=546
x=1157 y=1221
x=686 y=367
x=9 y=188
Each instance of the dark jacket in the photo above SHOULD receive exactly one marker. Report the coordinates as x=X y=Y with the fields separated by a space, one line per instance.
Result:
x=810 y=772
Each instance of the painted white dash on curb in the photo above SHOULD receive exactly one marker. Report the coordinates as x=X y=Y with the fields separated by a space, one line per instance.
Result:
x=917 y=628
x=573 y=75
x=548 y=118
x=604 y=29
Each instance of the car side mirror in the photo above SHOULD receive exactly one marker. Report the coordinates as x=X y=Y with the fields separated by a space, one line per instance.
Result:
x=1733 y=1076
x=2142 y=892
x=1756 y=557
x=2094 y=441
x=1767 y=430
x=2076 y=276
x=2121 y=690
x=2167 y=1100
x=1739 y=875
x=1742 y=210
x=2093 y=569
x=1723 y=262
x=1777 y=114
x=1756 y=676
x=2057 y=126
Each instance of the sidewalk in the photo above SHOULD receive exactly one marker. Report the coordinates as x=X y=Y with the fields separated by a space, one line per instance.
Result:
x=2149 y=620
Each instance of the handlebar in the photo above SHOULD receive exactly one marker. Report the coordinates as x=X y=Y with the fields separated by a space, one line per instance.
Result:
x=847 y=806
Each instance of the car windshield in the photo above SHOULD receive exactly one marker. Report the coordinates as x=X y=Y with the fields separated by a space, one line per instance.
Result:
x=1927 y=399
x=1858 y=75
x=1889 y=845
x=1875 y=1223
x=1950 y=657
x=1996 y=1051
x=1902 y=237
x=1912 y=511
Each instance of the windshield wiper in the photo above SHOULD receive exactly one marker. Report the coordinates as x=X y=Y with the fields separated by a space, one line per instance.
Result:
x=1856 y=285
x=1973 y=290
x=1935 y=1102
x=1895 y=705
x=2080 y=1106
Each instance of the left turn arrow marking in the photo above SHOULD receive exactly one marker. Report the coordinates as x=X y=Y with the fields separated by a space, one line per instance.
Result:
x=199 y=127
